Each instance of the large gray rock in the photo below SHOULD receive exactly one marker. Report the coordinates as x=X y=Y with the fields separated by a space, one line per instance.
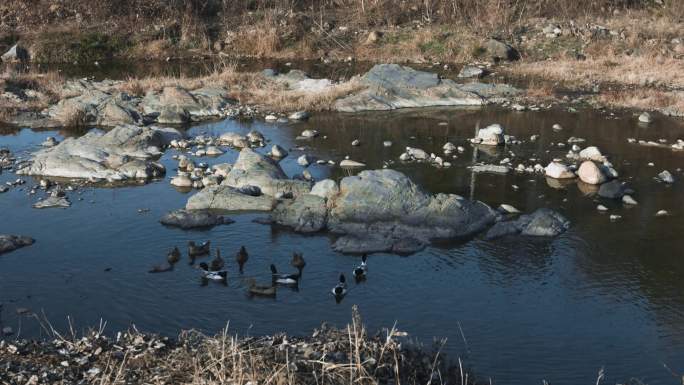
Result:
x=391 y=86
x=254 y=169
x=12 y=242
x=499 y=50
x=14 y=54
x=191 y=219
x=306 y=214
x=228 y=199
x=125 y=152
x=388 y=207
x=541 y=223
x=612 y=190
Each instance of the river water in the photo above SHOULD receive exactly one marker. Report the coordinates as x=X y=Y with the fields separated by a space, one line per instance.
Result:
x=516 y=310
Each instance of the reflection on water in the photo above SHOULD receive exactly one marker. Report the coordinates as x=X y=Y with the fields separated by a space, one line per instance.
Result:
x=603 y=294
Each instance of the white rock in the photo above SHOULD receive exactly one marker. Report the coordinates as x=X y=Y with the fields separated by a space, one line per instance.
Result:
x=592 y=153
x=304 y=160
x=270 y=118
x=666 y=177
x=387 y=143
x=356 y=142
x=645 y=118
x=558 y=170
x=509 y=209
x=662 y=213
x=278 y=152
x=556 y=127
x=309 y=133
x=214 y=151
x=590 y=173
x=628 y=200
x=326 y=188
x=348 y=163
x=492 y=135
x=417 y=153
x=601 y=208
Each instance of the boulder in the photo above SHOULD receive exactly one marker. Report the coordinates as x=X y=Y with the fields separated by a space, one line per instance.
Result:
x=254 y=169
x=391 y=86
x=229 y=199
x=15 y=54
x=557 y=170
x=327 y=188
x=592 y=153
x=469 y=71
x=12 y=242
x=306 y=214
x=191 y=219
x=542 y=222
x=348 y=163
x=53 y=201
x=125 y=152
x=278 y=152
x=590 y=173
x=612 y=190
x=499 y=50
x=666 y=177
x=492 y=135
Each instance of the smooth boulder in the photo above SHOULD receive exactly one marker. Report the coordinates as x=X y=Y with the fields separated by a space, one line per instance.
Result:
x=12 y=242
x=541 y=223
x=191 y=219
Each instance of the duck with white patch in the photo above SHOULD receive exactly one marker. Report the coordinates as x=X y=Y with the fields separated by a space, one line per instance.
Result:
x=216 y=276
x=340 y=290
x=360 y=271
x=284 y=279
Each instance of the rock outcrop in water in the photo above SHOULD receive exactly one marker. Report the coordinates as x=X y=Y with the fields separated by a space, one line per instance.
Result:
x=102 y=103
x=125 y=152
x=192 y=219
x=12 y=242
x=391 y=86
x=541 y=223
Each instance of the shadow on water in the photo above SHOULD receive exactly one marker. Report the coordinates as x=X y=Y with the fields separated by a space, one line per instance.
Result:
x=603 y=294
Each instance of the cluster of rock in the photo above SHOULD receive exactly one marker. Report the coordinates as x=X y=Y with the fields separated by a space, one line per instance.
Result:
x=12 y=242
x=126 y=152
x=376 y=210
x=102 y=103
x=391 y=86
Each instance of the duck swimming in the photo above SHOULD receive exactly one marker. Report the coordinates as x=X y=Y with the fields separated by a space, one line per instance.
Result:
x=195 y=250
x=298 y=262
x=217 y=263
x=220 y=276
x=360 y=270
x=340 y=290
x=173 y=256
x=241 y=257
x=284 y=279
x=261 y=291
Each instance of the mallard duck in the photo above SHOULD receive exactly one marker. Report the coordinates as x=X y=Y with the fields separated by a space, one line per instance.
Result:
x=195 y=250
x=262 y=291
x=241 y=257
x=298 y=262
x=340 y=290
x=161 y=268
x=284 y=279
x=217 y=263
x=173 y=256
x=360 y=270
x=212 y=275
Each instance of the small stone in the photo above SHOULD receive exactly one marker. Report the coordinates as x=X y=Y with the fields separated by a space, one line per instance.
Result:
x=387 y=143
x=662 y=213
x=356 y=142
x=601 y=208
x=299 y=115
x=270 y=118
x=348 y=163
x=509 y=209
x=628 y=200
x=557 y=127
x=666 y=177
x=615 y=217
x=304 y=160
x=645 y=118
x=309 y=134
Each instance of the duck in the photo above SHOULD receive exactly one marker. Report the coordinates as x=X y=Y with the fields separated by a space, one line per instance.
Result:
x=195 y=250
x=213 y=275
x=360 y=270
x=161 y=268
x=217 y=263
x=259 y=290
x=173 y=256
x=298 y=261
x=284 y=279
x=241 y=257
x=340 y=290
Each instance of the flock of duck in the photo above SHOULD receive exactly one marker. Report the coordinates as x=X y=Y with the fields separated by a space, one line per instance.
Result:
x=215 y=270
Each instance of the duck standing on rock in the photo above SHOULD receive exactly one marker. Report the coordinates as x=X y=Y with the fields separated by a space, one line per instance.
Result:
x=361 y=270
x=241 y=257
x=298 y=262
x=217 y=263
x=195 y=250
x=340 y=290
x=216 y=276
x=261 y=291
x=173 y=256
x=284 y=279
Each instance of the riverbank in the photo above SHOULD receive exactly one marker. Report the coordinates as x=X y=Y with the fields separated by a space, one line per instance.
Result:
x=329 y=355
x=595 y=51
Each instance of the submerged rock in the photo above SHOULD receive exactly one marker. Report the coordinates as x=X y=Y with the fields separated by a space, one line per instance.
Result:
x=125 y=152
x=612 y=190
x=53 y=201
x=190 y=219
x=541 y=223
x=12 y=242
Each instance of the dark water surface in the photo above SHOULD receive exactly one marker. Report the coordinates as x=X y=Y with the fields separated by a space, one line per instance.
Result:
x=604 y=294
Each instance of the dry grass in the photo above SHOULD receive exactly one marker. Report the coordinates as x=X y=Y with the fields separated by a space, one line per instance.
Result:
x=645 y=99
